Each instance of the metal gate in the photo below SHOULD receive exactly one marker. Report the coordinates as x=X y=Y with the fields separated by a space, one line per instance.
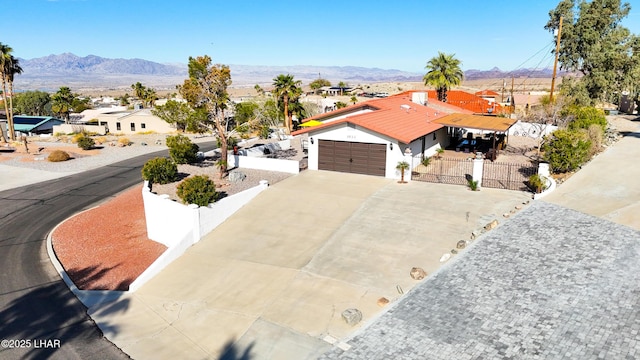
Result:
x=507 y=176
x=444 y=171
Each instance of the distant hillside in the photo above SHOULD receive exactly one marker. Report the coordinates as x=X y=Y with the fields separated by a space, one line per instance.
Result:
x=93 y=72
x=496 y=73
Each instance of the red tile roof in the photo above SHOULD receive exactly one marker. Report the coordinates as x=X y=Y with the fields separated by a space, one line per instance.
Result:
x=396 y=117
x=486 y=93
x=462 y=99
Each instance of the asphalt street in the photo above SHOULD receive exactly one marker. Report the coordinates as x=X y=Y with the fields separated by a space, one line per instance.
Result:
x=39 y=316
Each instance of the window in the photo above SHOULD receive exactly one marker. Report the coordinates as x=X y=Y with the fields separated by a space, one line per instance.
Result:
x=143 y=126
x=118 y=126
x=133 y=126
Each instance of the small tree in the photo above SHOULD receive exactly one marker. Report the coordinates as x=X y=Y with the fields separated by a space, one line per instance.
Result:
x=199 y=190
x=160 y=171
x=182 y=150
x=439 y=152
x=402 y=166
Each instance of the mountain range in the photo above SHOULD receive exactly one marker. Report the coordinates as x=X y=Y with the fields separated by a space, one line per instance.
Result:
x=94 y=72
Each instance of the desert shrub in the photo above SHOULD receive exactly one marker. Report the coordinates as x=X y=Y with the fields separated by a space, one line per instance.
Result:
x=536 y=183
x=101 y=140
x=85 y=143
x=264 y=132
x=199 y=190
x=585 y=116
x=567 y=150
x=160 y=171
x=77 y=137
x=181 y=149
x=58 y=155
x=426 y=161
x=124 y=141
x=596 y=136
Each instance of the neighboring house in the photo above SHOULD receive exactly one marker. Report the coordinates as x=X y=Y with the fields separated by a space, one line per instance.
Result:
x=489 y=95
x=373 y=136
x=117 y=120
x=470 y=102
x=135 y=121
x=35 y=125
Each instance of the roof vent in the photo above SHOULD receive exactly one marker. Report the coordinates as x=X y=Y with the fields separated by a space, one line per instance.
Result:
x=405 y=107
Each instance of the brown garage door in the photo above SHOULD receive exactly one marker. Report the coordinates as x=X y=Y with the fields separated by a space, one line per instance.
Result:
x=352 y=157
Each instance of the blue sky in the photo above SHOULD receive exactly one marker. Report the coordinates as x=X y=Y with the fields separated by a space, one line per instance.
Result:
x=403 y=35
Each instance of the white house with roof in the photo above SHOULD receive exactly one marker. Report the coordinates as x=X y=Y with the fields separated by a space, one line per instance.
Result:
x=372 y=137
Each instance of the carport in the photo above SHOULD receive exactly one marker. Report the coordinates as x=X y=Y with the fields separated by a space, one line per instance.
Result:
x=493 y=124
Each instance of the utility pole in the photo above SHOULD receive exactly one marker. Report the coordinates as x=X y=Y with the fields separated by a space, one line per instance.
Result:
x=512 y=106
x=555 y=63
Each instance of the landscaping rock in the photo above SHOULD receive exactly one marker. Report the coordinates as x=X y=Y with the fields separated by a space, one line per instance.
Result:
x=492 y=225
x=445 y=257
x=237 y=176
x=352 y=316
x=461 y=244
x=418 y=273
x=454 y=251
x=506 y=215
x=383 y=301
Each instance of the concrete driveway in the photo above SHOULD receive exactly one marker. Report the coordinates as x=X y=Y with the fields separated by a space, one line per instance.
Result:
x=273 y=280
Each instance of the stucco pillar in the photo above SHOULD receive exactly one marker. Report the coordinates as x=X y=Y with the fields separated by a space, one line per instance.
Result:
x=543 y=169
x=408 y=157
x=478 y=163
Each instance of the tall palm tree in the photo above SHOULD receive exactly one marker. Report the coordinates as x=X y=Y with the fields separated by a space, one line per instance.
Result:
x=444 y=72
x=5 y=58
x=286 y=88
x=62 y=102
x=13 y=68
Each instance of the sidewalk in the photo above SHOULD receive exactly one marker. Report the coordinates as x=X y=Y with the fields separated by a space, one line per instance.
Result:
x=609 y=185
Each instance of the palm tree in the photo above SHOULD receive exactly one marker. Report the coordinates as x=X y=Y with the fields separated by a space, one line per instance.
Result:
x=62 y=102
x=444 y=72
x=402 y=166
x=342 y=85
x=286 y=88
x=5 y=59
x=13 y=68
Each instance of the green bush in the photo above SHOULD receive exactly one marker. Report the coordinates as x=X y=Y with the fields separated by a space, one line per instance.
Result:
x=231 y=142
x=473 y=184
x=181 y=149
x=567 y=150
x=426 y=161
x=199 y=190
x=585 y=116
x=86 y=143
x=160 y=171
x=536 y=183
x=264 y=132
x=58 y=155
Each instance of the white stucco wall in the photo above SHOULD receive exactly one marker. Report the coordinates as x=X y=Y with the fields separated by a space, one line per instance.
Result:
x=179 y=226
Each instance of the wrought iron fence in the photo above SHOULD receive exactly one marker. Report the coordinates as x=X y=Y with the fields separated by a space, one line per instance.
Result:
x=444 y=171
x=510 y=176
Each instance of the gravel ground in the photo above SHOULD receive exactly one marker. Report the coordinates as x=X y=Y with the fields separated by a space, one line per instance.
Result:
x=106 y=154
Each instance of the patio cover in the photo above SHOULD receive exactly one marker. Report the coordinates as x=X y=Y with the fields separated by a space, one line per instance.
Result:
x=480 y=122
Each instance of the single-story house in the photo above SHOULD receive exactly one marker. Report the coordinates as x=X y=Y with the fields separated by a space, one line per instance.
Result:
x=35 y=125
x=373 y=136
x=119 y=120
